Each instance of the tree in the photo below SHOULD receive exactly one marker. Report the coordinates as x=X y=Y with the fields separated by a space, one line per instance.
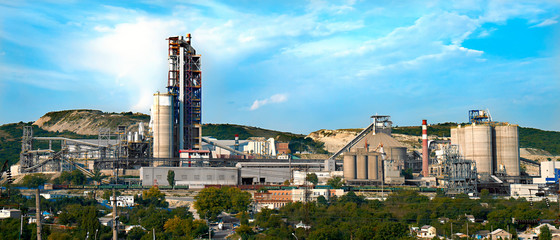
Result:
x=135 y=233
x=335 y=182
x=244 y=231
x=177 y=226
x=210 y=202
x=107 y=194
x=155 y=197
x=34 y=180
x=545 y=233
x=97 y=176
x=312 y=178
x=171 y=178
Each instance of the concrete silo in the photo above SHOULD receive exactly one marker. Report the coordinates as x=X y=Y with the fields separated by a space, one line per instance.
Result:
x=374 y=167
x=507 y=150
x=162 y=125
x=478 y=147
x=361 y=166
x=349 y=165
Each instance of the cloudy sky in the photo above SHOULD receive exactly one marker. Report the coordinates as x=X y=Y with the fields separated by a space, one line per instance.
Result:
x=295 y=65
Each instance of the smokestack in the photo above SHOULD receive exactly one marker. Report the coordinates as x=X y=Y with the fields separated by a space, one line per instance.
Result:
x=236 y=142
x=424 y=148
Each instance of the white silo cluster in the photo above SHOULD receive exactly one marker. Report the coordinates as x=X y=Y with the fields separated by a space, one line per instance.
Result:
x=493 y=146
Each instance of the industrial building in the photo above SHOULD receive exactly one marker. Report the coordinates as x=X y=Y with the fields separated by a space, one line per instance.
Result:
x=194 y=177
x=373 y=156
x=494 y=146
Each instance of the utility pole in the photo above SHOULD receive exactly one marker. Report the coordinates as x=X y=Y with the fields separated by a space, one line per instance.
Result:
x=115 y=234
x=20 y=225
x=38 y=213
x=451 y=230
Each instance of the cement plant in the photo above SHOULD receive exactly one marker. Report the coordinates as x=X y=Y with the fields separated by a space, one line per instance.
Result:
x=481 y=155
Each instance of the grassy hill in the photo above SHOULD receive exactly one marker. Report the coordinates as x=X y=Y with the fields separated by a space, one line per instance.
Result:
x=528 y=137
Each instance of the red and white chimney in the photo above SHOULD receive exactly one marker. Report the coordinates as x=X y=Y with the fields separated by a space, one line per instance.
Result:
x=425 y=157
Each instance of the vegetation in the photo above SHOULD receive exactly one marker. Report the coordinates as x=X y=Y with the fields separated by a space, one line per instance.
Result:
x=154 y=197
x=171 y=178
x=335 y=182
x=353 y=217
x=539 y=139
x=210 y=202
x=34 y=180
x=545 y=233
x=312 y=178
x=74 y=177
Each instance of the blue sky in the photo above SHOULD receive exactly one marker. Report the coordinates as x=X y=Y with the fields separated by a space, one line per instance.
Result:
x=294 y=66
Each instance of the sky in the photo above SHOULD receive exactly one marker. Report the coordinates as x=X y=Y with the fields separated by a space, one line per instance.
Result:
x=296 y=66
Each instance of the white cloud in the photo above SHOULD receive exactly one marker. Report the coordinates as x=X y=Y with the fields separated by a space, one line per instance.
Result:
x=547 y=22
x=131 y=52
x=277 y=98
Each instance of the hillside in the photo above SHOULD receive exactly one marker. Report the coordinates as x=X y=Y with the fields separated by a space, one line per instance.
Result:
x=86 y=124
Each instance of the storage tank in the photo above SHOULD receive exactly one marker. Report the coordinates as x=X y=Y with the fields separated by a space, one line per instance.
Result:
x=478 y=147
x=458 y=138
x=454 y=136
x=507 y=149
x=373 y=167
x=361 y=160
x=162 y=125
x=349 y=166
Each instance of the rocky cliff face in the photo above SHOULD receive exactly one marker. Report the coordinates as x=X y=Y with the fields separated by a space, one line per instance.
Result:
x=88 y=122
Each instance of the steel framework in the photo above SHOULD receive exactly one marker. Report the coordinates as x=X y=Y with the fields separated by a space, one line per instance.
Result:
x=185 y=85
x=460 y=174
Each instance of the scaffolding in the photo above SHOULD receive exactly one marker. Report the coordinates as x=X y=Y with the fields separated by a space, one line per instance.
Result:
x=460 y=174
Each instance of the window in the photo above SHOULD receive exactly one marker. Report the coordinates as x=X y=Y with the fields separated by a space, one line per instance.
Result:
x=222 y=177
x=196 y=177
x=184 y=177
x=158 y=176
x=208 y=177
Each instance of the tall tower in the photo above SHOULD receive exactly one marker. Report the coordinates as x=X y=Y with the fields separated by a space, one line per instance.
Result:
x=185 y=86
x=425 y=154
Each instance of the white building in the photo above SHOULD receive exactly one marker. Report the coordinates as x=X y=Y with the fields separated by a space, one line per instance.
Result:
x=123 y=201
x=299 y=176
x=298 y=195
x=547 y=172
x=427 y=232
x=10 y=213
x=257 y=146
x=529 y=191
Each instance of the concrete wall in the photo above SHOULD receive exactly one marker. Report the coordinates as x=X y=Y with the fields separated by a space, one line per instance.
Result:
x=191 y=176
